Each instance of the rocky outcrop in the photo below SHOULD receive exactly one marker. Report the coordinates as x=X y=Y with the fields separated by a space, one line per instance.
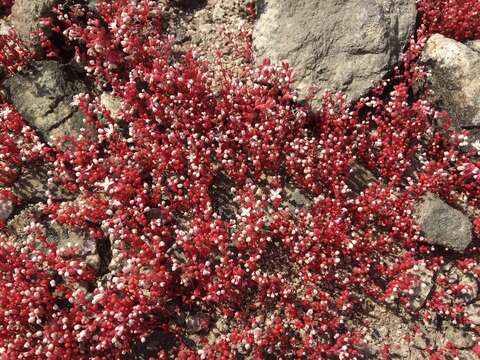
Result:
x=25 y=18
x=454 y=80
x=443 y=225
x=43 y=95
x=334 y=44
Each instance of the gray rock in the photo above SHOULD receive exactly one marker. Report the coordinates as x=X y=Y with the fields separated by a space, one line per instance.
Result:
x=112 y=103
x=195 y=323
x=428 y=336
x=25 y=18
x=360 y=178
x=442 y=224
x=455 y=67
x=32 y=185
x=422 y=289
x=474 y=45
x=296 y=198
x=461 y=338
x=74 y=243
x=472 y=311
x=5 y=27
x=43 y=95
x=334 y=44
x=458 y=277
x=92 y=4
x=467 y=355
x=6 y=208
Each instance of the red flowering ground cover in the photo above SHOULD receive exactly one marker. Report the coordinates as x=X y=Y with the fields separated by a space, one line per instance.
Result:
x=189 y=188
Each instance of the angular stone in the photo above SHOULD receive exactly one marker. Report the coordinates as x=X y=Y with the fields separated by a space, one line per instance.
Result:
x=360 y=177
x=334 y=44
x=43 y=95
x=455 y=68
x=467 y=355
x=296 y=198
x=5 y=27
x=25 y=18
x=442 y=224
x=195 y=323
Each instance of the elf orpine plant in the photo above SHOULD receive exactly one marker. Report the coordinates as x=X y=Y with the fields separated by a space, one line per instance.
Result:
x=189 y=192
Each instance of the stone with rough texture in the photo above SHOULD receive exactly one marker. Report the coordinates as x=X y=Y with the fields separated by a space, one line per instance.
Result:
x=32 y=185
x=473 y=312
x=461 y=338
x=334 y=44
x=474 y=45
x=443 y=225
x=6 y=208
x=457 y=277
x=422 y=289
x=112 y=103
x=25 y=18
x=43 y=95
x=74 y=241
x=455 y=68
x=5 y=28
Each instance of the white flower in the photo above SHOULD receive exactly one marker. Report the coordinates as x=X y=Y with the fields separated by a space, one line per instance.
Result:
x=476 y=145
x=245 y=211
x=105 y=184
x=274 y=194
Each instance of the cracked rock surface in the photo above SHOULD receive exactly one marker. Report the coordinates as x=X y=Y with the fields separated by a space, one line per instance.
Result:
x=25 y=18
x=43 y=95
x=334 y=44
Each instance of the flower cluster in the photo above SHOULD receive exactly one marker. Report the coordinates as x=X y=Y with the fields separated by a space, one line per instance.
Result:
x=14 y=56
x=231 y=219
x=457 y=19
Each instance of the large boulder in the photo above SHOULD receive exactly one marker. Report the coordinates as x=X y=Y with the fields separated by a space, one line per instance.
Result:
x=454 y=81
x=334 y=44
x=44 y=94
x=442 y=224
x=25 y=18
